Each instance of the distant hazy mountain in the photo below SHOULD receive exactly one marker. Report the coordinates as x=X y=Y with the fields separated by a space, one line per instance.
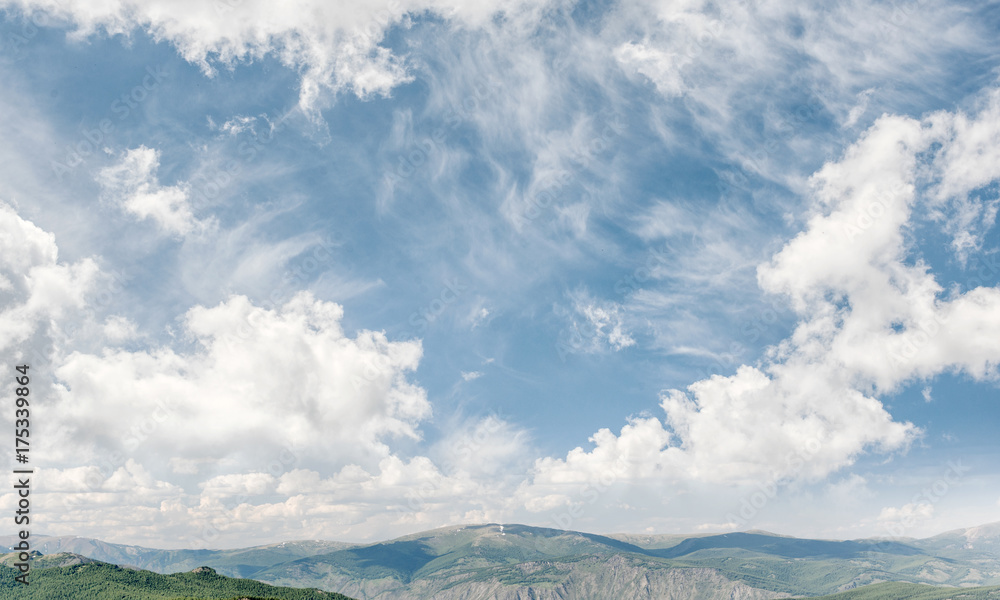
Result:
x=66 y=576
x=982 y=541
x=243 y=562
x=512 y=562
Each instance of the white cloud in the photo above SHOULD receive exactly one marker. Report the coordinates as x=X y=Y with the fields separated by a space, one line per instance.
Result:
x=480 y=314
x=253 y=382
x=119 y=329
x=486 y=449
x=970 y=160
x=132 y=185
x=864 y=310
x=717 y=527
x=662 y=68
x=39 y=289
x=278 y=418
x=731 y=63
x=907 y=514
x=858 y=110
x=469 y=376
x=129 y=504
x=595 y=326
x=334 y=45
x=851 y=490
x=869 y=321
x=253 y=423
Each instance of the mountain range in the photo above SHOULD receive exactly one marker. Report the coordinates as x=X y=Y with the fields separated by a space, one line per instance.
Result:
x=511 y=562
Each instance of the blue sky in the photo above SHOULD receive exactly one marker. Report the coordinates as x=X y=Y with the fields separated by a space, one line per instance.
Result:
x=324 y=271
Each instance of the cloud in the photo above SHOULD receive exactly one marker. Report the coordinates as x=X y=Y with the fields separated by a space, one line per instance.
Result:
x=469 y=376
x=866 y=310
x=38 y=288
x=250 y=422
x=662 y=68
x=907 y=514
x=132 y=185
x=870 y=320
x=335 y=46
x=250 y=383
x=119 y=329
x=760 y=79
x=595 y=326
x=717 y=527
x=282 y=499
x=967 y=165
x=858 y=110
x=851 y=490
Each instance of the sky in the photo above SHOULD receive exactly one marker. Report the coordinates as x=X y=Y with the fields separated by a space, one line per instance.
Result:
x=350 y=271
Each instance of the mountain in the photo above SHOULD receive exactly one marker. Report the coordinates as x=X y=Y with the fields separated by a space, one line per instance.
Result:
x=511 y=562
x=982 y=542
x=68 y=576
x=912 y=591
x=481 y=561
x=243 y=562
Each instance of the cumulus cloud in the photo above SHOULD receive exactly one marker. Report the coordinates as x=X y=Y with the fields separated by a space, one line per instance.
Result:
x=283 y=500
x=133 y=186
x=254 y=422
x=252 y=382
x=276 y=416
x=870 y=320
x=38 y=288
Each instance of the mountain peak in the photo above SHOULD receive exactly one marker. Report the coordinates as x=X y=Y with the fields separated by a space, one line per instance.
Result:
x=208 y=570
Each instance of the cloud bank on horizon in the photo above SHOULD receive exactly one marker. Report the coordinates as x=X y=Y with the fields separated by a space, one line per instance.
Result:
x=349 y=271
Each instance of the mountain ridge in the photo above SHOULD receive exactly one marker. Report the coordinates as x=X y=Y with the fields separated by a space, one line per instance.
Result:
x=511 y=561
